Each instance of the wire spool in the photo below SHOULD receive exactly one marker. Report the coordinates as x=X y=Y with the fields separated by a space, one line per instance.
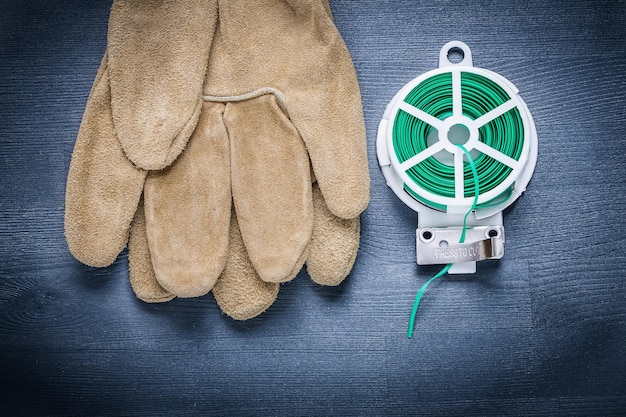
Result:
x=458 y=145
x=457 y=104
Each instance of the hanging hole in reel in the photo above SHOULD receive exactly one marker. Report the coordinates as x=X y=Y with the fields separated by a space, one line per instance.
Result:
x=455 y=55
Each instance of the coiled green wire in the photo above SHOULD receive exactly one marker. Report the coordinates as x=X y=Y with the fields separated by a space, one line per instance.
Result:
x=479 y=96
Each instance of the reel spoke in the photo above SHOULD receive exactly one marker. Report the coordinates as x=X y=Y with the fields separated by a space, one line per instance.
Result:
x=457 y=98
x=496 y=154
x=459 y=179
x=495 y=113
x=422 y=115
x=421 y=156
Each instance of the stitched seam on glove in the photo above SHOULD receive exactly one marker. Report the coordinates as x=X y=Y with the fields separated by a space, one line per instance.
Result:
x=253 y=94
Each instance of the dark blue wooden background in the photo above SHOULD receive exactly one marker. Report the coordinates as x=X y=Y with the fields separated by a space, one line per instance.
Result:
x=542 y=332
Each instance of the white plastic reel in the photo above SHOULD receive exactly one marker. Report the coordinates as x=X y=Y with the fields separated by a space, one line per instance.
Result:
x=443 y=148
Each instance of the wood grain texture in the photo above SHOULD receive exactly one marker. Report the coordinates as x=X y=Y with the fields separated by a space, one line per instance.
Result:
x=542 y=332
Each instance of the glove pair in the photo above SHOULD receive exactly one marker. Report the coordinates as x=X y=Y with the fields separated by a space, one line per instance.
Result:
x=224 y=141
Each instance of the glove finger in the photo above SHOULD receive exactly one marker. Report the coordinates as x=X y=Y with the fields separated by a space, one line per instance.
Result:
x=316 y=77
x=271 y=186
x=103 y=186
x=240 y=292
x=158 y=55
x=330 y=117
x=334 y=244
x=188 y=208
x=142 y=278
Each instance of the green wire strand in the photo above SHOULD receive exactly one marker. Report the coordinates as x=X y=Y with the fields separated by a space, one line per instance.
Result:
x=479 y=96
x=418 y=297
x=476 y=190
x=445 y=269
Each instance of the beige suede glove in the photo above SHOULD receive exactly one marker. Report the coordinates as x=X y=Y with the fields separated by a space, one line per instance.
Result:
x=294 y=118
x=179 y=244
x=144 y=106
x=286 y=62
x=141 y=111
x=284 y=220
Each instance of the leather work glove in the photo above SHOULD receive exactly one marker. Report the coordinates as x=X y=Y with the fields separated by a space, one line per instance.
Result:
x=271 y=185
x=141 y=111
x=260 y=127
x=297 y=68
